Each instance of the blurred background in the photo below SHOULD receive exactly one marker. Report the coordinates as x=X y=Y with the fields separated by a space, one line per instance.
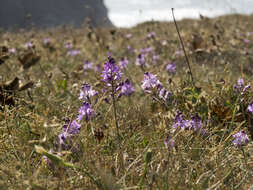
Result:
x=120 y=13
x=131 y=12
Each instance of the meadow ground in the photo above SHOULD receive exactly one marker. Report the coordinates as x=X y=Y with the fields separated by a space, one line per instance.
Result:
x=70 y=121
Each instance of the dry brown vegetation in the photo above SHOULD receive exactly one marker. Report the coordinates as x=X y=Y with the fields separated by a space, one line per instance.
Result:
x=40 y=87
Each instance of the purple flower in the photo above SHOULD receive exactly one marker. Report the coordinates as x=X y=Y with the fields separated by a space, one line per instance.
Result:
x=151 y=35
x=72 y=128
x=28 y=45
x=47 y=41
x=123 y=63
x=250 y=108
x=126 y=88
x=164 y=95
x=181 y=122
x=69 y=129
x=12 y=50
x=171 y=68
x=240 y=139
x=239 y=87
x=150 y=81
x=169 y=142
x=197 y=126
x=111 y=72
x=86 y=111
x=74 y=52
x=140 y=61
x=194 y=124
x=86 y=92
x=87 y=65
x=246 y=41
x=68 y=45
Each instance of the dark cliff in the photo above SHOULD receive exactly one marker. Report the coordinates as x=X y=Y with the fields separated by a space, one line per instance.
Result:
x=50 y=13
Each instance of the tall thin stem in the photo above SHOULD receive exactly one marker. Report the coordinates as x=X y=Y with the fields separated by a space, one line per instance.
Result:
x=114 y=109
x=182 y=43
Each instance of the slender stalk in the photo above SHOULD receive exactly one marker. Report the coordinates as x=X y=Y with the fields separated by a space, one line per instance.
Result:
x=182 y=43
x=115 y=109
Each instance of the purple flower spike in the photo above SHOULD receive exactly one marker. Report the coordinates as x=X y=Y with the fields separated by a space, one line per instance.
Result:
x=126 y=88
x=240 y=86
x=171 y=68
x=194 y=124
x=164 y=95
x=69 y=130
x=87 y=92
x=150 y=81
x=250 y=108
x=72 y=128
x=86 y=111
x=240 y=139
x=181 y=122
x=111 y=72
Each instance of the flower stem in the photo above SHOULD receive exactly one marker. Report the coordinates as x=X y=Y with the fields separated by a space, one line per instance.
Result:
x=115 y=110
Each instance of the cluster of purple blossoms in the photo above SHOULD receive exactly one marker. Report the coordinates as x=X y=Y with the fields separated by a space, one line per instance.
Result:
x=241 y=87
x=123 y=63
x=112 y=75
x=87 y=65
x=171 y=68
x=70 y=128
x=150 y=81
x=85 y=111
x=164 y=94
x=125 y=88
x=87 y=92
x=151 y=84
x=111 y=72
x=240 y=139
x=194 y=124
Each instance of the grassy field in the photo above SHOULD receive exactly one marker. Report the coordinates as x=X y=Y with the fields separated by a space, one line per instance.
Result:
x=157 y=130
